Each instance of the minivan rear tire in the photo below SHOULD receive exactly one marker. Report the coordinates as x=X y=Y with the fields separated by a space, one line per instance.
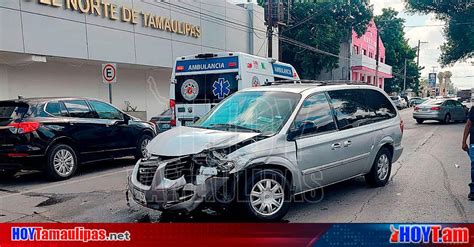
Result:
x=61 y=162
x=276 y=180
x=383 y=161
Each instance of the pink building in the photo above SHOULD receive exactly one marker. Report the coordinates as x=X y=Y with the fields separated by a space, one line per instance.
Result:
x=363 y=62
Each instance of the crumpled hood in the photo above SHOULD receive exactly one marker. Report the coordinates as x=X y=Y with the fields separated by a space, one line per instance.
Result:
x=181 y=141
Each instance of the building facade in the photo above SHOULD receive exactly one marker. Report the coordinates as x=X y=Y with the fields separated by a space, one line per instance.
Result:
x=57 y=47
x=363 y=58
x=362 y=65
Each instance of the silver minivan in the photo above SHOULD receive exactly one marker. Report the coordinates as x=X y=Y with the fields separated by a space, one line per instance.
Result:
x=262 y=146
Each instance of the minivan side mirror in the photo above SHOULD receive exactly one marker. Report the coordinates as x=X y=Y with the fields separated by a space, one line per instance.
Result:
x=305 y=128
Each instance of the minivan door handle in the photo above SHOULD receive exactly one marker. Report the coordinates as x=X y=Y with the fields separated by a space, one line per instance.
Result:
x=347 y=143
x=336 y=145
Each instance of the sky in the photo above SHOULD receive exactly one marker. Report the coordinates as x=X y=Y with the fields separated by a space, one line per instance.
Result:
x=429 y=52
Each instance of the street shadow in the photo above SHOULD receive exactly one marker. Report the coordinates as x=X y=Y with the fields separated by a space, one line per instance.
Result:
x=26 y=178
x=330 y=194
x=434 y=122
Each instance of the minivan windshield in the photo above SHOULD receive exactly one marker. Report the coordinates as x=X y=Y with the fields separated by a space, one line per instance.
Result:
x=254 y=111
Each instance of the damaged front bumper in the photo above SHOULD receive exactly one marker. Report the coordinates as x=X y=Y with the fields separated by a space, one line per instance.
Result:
x=174 y=184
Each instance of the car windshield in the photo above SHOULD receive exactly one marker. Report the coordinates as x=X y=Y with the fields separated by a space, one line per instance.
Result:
x=262 y=112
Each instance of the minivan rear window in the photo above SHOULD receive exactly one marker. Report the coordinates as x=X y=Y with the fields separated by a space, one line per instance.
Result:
x=360 y=107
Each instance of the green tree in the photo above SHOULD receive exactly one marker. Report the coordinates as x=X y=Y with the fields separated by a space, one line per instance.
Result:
x=396 y=51
x=323 y=25
x=459 y=26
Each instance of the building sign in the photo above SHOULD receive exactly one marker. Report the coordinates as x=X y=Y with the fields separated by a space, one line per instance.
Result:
x=432 y=79
x=207 y=64
x=279 y=69
x=125 y=14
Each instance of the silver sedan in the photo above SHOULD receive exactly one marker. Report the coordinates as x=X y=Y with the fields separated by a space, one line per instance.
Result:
x=443 y=110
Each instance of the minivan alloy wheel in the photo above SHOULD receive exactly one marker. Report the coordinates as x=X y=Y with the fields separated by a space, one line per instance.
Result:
x=64 y=162
x=382 y=166
x=267 y=197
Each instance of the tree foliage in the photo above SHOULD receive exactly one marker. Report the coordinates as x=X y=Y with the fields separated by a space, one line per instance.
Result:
x=459 y=28
x=397 y=50
x=326 y=24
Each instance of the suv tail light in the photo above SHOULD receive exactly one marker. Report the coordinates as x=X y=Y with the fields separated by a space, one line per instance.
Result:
x=24 y=127
x=402 y=125
x=173 y=112
x=435 y=108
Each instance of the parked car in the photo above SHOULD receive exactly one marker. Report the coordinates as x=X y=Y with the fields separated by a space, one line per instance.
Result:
x=163 y=121
x=261 y=146
x=443 y=110
x=56 y=134
x=399 y=102
x=416 y=101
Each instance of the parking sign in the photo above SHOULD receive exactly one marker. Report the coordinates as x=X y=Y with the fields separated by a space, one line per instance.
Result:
x=109 y=73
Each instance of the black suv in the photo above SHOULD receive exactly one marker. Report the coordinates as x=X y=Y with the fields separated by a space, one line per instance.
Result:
x=56 y=134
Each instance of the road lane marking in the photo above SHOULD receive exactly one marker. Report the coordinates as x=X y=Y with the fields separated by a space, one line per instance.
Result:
x=65 y=183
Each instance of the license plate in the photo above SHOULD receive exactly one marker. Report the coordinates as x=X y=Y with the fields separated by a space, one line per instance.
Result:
x=425 y=109
x=188 y=123
x=139 y=196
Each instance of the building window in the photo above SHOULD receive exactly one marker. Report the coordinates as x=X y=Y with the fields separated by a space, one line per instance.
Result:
x=371 y=55
x=381 y=60
x=364 y=52
x=356 y=49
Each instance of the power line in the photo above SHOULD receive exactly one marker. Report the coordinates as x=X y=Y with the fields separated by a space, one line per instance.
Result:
x=441 y=25
x=207 y=17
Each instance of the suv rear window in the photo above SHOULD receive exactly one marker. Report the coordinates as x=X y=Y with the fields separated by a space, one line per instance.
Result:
x=10 y=111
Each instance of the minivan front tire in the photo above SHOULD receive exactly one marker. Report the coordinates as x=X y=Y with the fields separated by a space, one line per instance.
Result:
x=267 y=196
x=381 y=168
x=61 y=162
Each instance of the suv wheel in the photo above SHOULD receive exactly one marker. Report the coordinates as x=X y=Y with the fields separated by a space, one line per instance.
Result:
x=267 y=196
x=141 y=151
x=381 y=168
x=61 y=162
x=419 y=121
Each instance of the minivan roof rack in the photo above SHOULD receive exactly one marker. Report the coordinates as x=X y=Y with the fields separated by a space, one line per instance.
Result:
x=316 y=82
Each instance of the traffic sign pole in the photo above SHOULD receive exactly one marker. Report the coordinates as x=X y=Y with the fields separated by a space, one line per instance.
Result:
x=109 y=76
x=110 y=93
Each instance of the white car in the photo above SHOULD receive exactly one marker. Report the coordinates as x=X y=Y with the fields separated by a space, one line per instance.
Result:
x=399 y=102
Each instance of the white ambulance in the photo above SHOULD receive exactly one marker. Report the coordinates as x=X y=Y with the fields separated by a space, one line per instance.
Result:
x=199 y=82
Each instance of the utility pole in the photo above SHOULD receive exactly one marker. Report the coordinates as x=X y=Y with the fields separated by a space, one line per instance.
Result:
x=405 y=77
x=418 y=52
x=349 y=62
x=270 y=27
x=377 y=61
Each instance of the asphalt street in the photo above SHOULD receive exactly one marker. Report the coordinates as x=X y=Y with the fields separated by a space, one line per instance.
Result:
x=428 y=184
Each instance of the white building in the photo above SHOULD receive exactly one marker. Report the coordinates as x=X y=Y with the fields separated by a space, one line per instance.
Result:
x=57 y=47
